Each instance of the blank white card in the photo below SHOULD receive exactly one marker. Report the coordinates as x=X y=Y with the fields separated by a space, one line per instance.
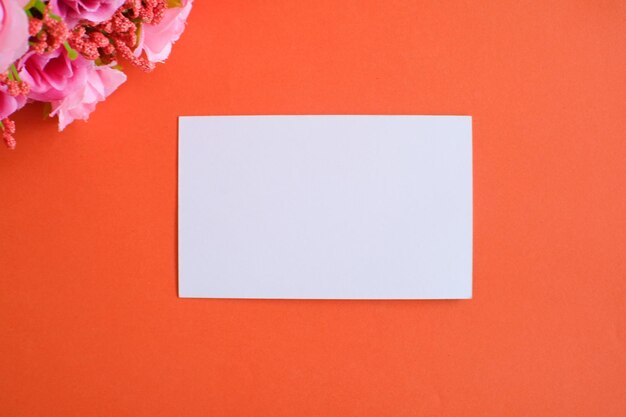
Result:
x=349 y=207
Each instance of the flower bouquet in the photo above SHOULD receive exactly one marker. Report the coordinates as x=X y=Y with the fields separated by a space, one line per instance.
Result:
x=67 y=53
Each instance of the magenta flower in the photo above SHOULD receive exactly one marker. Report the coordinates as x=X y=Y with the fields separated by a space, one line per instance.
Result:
x=97 y=84
x=52 y=76
x=73 y=87
x=72 y=11
x=13 y=32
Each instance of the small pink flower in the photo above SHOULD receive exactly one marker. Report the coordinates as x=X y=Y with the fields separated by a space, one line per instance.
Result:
x=52 y=76
x=156 y=40
x=13 y=32
x=95 y=11
x=98 y=82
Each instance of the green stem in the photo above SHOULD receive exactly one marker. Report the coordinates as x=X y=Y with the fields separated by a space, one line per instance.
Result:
x=71 y=52
x=30 y=4
x=15 y=73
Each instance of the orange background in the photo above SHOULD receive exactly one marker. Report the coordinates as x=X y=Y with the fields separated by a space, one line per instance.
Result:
x=90 y=322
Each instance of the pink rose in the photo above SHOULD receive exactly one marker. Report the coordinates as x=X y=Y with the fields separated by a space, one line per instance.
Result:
x=13 y=32
x=156 y=40
x=8 y=103
x=93 y=10
x=98 y=83
x=52 y=76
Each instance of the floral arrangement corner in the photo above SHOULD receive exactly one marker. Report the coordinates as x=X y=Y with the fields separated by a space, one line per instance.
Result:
x=66 y=53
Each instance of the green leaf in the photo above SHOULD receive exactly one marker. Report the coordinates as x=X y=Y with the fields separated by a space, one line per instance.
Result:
x=39 y=5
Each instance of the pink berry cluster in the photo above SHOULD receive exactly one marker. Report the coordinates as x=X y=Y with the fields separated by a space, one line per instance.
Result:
x=17 y=89
x=47 y=32
x=118 y=36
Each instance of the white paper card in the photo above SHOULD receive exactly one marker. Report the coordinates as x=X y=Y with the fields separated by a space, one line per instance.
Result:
x=349 y=207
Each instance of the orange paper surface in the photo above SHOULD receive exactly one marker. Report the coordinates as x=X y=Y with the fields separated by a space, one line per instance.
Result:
x=90 y=321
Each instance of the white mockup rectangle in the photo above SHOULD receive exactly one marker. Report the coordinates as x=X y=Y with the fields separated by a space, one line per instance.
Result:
x=345 y=207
